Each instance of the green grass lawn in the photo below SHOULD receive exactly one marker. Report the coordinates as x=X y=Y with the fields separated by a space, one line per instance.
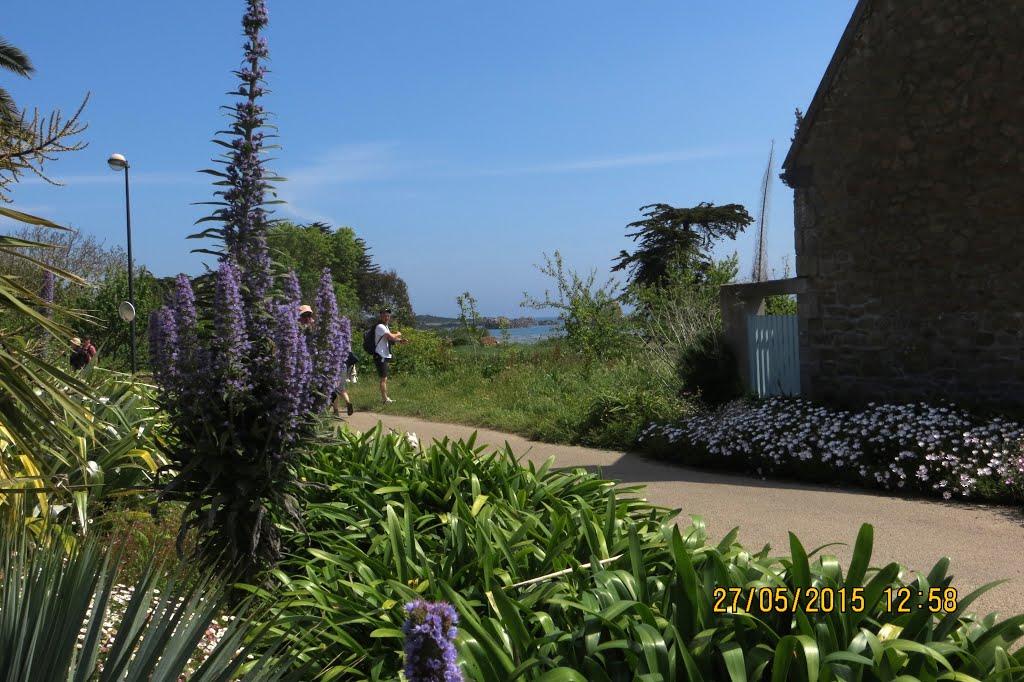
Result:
x=538 y=391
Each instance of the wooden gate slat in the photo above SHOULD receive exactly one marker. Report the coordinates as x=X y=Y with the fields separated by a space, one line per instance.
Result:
x=774 y=354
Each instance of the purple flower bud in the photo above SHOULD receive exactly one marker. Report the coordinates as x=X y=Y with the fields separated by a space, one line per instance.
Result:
x=430 y=654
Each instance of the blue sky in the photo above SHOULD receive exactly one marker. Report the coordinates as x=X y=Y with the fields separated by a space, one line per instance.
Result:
x=460 y=139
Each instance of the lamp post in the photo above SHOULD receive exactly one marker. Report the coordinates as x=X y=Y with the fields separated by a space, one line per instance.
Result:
x=117 y=162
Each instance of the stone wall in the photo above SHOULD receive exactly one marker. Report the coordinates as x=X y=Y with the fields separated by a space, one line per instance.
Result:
x=909 y=203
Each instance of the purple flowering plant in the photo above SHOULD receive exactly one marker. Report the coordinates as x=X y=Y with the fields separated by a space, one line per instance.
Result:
x=242 y=383
x=430 y=654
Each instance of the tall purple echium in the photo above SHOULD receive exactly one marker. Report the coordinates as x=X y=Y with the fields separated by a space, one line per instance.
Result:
x=329 y=346
x=46 y=293
x=244 y=218
x=241 y=382
x=430 y=654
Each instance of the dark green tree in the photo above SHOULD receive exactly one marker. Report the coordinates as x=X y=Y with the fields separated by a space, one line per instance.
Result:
x=672 y=240
x=387 y=289
x=109 y=333
x=308 y=249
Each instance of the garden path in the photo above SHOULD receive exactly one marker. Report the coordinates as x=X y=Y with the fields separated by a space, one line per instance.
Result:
x=984 y=542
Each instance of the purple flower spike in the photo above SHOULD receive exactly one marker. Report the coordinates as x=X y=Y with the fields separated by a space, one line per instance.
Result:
x=46 y=291
x=163 y=348
x=329 y=346
x=430 y=654
x=230 y=348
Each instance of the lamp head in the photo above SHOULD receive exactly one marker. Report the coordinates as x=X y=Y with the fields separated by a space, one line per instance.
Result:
x=117 y=162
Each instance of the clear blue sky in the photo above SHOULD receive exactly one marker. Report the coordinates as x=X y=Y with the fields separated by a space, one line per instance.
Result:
x=460 y=139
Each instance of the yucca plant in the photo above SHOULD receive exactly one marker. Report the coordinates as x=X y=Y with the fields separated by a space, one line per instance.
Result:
x=58 y=622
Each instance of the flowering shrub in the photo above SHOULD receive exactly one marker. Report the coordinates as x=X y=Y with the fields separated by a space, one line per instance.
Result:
x=429 y=650
x=916 y=447
x=240 y=379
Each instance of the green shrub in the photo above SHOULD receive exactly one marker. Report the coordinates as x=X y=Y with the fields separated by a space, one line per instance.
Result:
x=617 y=419
x=708 y=369
x=426 y=353
x=387 y=523
x=558 y=575
x=780 y=305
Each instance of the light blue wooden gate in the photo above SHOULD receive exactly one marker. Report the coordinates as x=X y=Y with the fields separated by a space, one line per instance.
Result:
x=773 y=344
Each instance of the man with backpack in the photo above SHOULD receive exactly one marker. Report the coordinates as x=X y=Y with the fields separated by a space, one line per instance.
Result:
x=377 y=341
x=79 y=357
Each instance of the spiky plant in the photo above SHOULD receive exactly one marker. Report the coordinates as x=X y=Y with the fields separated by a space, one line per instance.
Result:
x=239 y=377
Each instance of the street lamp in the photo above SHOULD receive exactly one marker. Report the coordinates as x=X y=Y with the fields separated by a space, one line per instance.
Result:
x=117 y=162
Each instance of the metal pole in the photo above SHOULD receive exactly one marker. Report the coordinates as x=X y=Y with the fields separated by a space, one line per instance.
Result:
x=131 y=266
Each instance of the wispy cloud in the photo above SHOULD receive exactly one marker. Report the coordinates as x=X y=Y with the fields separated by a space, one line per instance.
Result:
x=337 y=166
x=603 y=163
x=348 y=164
x=389 y=160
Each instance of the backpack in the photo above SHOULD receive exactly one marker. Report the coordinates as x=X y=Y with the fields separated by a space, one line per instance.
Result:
x=369 y=343
x=79 y=358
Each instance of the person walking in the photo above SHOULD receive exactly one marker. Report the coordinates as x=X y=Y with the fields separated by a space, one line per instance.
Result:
x=383 y=338
x=79 y=357
x=89 y=348
x=345 y=374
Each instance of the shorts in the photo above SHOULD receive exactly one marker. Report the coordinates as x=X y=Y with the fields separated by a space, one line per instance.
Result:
x=382 y=365
x=342 y=388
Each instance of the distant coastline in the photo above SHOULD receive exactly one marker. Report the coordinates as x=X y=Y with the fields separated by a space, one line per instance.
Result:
x=436 y=322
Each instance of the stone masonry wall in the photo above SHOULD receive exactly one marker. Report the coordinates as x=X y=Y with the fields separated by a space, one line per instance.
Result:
x=909 y=226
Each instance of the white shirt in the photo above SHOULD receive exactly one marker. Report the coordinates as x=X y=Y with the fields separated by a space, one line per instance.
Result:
x=380 y=333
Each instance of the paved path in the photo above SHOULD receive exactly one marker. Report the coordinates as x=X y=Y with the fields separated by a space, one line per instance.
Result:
x=985 y=543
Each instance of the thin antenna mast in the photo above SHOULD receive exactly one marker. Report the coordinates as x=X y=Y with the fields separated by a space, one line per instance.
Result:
x=760 y=271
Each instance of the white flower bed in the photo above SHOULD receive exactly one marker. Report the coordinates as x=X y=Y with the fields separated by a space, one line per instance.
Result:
x=916 y=446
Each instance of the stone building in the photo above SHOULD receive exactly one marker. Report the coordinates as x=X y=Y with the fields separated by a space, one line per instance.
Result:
x=908 y=180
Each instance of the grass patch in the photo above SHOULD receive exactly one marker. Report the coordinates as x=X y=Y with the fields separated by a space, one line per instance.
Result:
x=538 y=391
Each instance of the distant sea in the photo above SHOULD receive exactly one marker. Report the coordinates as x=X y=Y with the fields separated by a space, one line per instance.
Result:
x=537 y=332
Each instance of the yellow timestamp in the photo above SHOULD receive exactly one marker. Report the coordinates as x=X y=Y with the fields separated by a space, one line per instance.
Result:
x=910 y=600
x=784 y=600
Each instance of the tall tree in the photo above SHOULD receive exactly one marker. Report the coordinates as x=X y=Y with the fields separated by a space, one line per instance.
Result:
x=387 y=289
x=678 y=239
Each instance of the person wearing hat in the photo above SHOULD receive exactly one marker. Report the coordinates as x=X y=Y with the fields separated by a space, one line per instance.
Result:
x=306 y=320
x=306 y=316
x=384 y=337
x=79 y=357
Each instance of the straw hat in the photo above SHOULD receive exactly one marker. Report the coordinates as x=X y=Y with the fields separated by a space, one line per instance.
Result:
x=303 y=309
x=76 y=341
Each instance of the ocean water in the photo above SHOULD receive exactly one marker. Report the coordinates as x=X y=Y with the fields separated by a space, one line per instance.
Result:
x=532 y=334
